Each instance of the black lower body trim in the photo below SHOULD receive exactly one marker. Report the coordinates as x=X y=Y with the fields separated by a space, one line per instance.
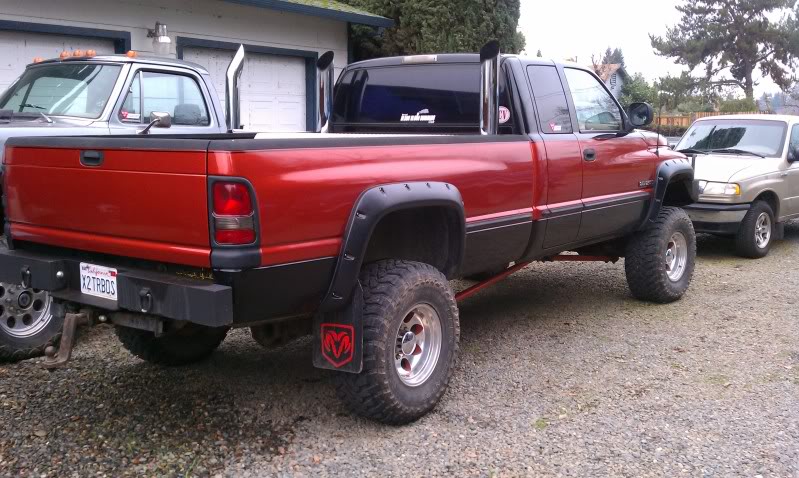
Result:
x=723 y=228
x=495 y=242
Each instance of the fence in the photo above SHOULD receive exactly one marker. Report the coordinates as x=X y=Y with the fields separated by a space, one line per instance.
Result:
x=684 y=121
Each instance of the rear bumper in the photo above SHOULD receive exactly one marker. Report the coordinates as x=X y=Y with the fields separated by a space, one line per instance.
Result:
x=170 y=296
x=717 y=218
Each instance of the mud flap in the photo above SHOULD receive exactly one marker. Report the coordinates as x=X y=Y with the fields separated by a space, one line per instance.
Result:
x=338 y=336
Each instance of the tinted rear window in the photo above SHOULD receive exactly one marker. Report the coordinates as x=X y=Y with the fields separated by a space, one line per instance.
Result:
x=411 y=95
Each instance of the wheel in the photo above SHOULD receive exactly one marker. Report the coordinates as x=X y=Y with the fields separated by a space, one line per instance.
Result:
x=485 y=275
x=181 y=346
x=28 y=324
x=411 y=332
x=756 y=232
x=659 y=262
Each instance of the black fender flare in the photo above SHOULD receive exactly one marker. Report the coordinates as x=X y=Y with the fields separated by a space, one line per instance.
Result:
x=372 y=206
x=668 y=172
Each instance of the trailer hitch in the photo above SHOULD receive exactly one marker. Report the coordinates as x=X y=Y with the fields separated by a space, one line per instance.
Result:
x=58 y=357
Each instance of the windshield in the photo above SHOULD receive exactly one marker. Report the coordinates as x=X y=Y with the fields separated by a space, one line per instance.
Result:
x=76 y=89
x=762 y=137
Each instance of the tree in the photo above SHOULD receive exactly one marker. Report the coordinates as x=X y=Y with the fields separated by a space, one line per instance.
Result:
x=612 y=57
x=734 y=35
x=539 y=54
x=636 y=89
x=432 y=26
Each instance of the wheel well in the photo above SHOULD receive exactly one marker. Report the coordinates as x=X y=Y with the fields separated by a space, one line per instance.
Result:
x=771 y=198
x=431 y=235
x=678 y=192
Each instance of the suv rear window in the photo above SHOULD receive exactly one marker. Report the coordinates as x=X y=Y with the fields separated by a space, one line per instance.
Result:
x=414 y=96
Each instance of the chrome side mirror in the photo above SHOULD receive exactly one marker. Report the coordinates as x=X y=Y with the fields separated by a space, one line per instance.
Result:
x=158 y=120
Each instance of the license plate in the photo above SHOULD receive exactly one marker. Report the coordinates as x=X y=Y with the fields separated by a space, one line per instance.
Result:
x=98 y=281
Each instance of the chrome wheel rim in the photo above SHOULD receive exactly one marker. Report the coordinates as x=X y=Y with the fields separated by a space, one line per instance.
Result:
x=23 y=312
x=418 y=345
x=676 y=256
x=763 y=230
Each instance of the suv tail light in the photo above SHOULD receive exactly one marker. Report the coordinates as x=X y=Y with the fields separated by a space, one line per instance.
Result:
x=233 y=214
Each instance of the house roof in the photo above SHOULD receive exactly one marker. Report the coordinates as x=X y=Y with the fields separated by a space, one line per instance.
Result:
x=606 y=70
x=322 y=8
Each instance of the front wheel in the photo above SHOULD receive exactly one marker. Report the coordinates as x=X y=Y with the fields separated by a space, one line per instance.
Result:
x=756 y=232
x=410 y=342
x=659 y=262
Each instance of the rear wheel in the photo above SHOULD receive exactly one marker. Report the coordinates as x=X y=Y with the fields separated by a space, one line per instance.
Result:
x=181 y=346
x=28 y=324
x=659 y=262
x=411 y=332
x=756 y=232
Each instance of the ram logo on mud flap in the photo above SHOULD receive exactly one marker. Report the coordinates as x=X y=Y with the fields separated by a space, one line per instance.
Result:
x=338 y=343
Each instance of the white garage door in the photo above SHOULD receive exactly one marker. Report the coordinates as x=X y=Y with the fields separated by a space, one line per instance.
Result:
x=17 y=49
x=272 y=87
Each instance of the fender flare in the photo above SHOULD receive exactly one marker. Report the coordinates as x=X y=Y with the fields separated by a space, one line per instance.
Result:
x=373 y=205
x=668 y=172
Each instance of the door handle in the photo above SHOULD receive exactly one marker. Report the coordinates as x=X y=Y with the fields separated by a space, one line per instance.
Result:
x=91 y=158
x=589 y=154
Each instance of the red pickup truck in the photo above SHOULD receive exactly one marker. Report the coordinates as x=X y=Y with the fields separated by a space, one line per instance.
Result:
x=471 y=163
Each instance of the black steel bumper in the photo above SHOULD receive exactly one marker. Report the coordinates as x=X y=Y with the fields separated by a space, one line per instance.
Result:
x=159 y=294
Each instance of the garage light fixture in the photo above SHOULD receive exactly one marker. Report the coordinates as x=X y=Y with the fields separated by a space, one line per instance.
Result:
x=161 y=40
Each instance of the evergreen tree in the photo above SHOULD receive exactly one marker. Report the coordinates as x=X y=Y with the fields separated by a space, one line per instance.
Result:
x=738 y=36
x=433 y=26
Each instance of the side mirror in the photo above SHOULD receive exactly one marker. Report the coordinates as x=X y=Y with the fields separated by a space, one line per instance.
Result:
x=158 y=120
x=640 y=114
x=793 y=153
x=164 y=120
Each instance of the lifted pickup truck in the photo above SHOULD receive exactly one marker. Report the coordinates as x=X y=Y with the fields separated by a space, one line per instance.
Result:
x=352 y=237
x=84 y=94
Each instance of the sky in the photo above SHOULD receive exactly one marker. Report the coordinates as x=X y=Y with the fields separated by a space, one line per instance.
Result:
x=567 y=28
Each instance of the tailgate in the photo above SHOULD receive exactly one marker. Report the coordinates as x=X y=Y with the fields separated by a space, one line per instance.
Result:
x=142 y=197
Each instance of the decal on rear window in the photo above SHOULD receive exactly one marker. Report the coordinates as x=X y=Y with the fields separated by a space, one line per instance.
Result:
x=504 y=115
x=423 y=116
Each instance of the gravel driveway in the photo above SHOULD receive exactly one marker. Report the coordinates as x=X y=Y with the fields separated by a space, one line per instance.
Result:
x=562 y=373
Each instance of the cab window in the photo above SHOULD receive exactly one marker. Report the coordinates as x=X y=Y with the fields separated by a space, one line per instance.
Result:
x=178 y=95
x=550 y=99
x=595 y=107
x=795 y=137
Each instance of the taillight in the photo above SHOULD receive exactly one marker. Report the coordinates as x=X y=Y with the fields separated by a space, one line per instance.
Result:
x=233 y=214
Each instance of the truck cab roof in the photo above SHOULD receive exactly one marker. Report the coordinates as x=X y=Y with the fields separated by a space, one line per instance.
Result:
x=125 y=59
x=452 y=58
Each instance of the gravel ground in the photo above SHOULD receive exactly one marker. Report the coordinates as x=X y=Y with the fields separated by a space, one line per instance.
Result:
x=562 y=373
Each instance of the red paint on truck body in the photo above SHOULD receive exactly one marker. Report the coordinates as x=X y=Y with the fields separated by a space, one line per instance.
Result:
x=145 y=204
x=305 y=196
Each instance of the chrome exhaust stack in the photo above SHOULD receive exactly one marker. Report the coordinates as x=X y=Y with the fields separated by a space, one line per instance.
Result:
x=489 y=88
x=232 y=97
x=324 y=85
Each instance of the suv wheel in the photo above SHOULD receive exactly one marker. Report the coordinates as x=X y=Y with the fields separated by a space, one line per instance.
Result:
x=27 y=322
x=660 y=260
x=411 y=332
x=756 y=232
x=180 y=346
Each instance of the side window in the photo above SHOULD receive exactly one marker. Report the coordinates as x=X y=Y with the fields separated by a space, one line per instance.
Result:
x=794 y=137
x=596 y=110
x=178 y=95
x=553 y=110
x=131 y=108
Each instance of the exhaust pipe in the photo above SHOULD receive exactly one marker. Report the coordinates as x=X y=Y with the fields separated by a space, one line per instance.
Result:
x=324 y=83
x=489 y=88
x=232 y=99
